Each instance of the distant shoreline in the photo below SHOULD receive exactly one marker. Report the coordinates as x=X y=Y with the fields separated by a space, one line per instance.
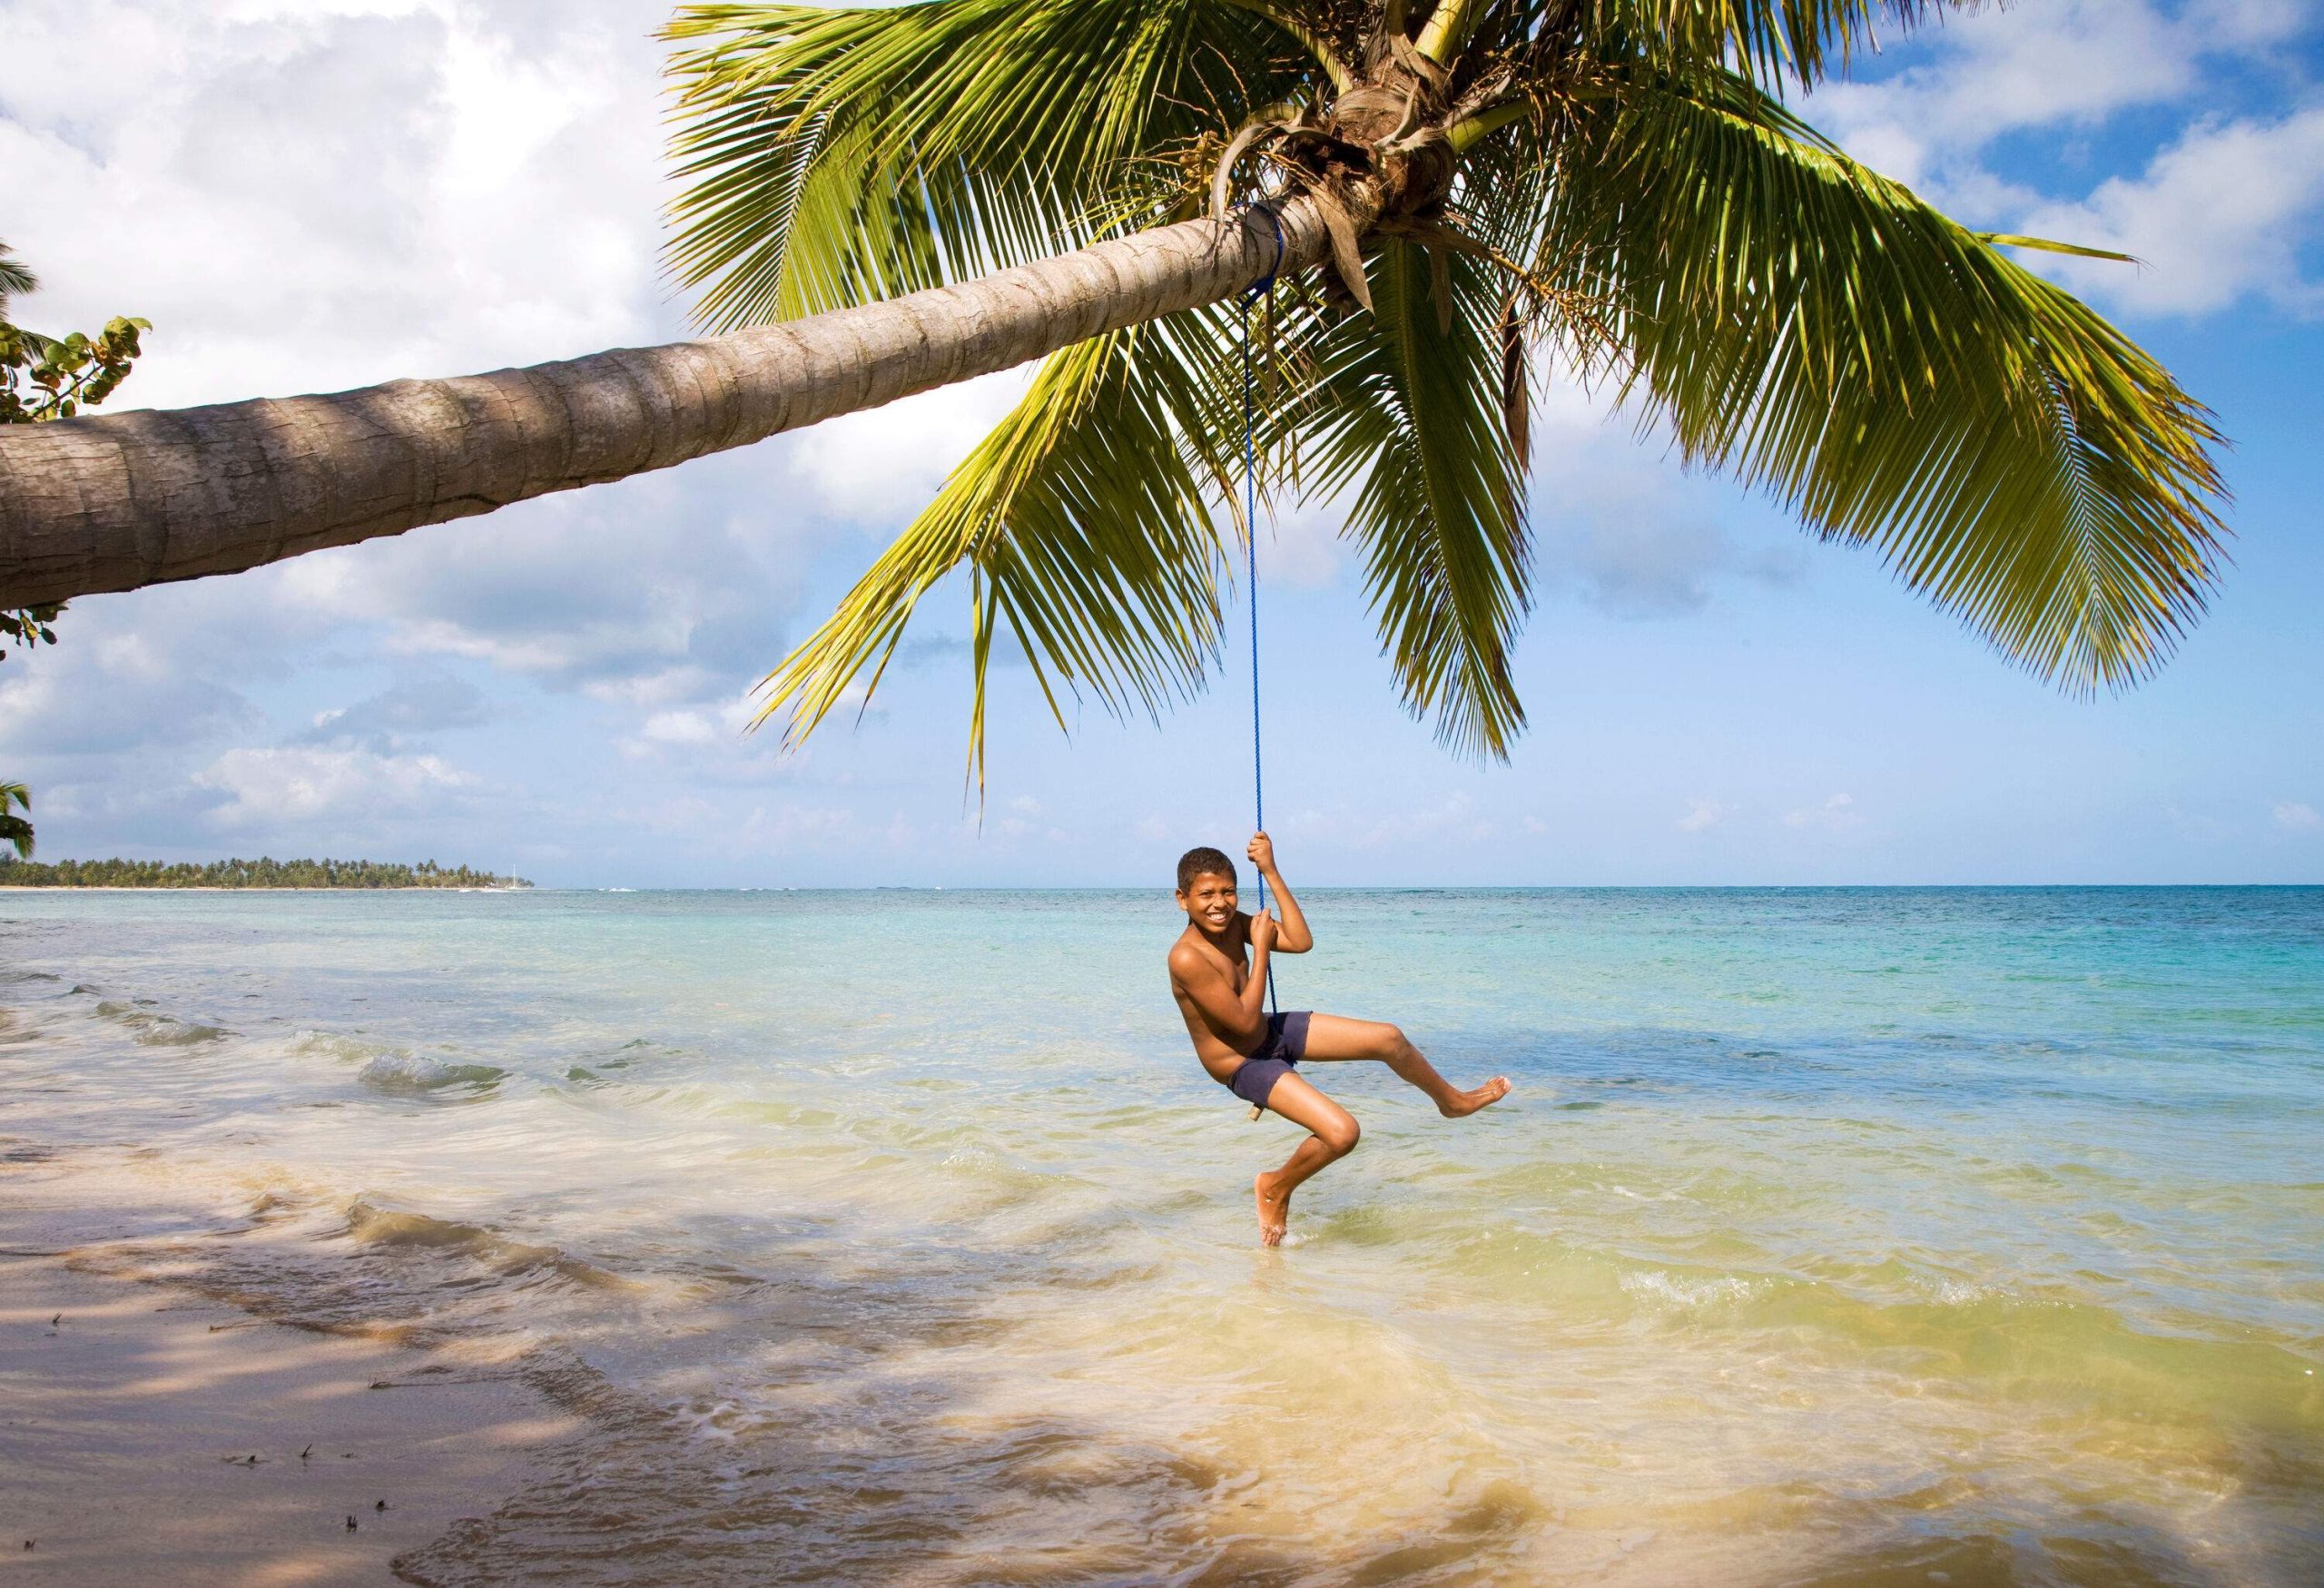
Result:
x=216 y=888
x=265 y=873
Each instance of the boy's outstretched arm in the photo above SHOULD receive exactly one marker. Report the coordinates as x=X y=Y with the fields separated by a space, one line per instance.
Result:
x=1293 y=938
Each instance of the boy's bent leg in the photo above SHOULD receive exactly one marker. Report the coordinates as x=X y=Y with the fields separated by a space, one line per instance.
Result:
x=1335 y=1037
x=1333 y=1133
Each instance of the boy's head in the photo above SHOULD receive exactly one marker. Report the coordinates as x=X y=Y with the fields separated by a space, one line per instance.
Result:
x=1206 y=886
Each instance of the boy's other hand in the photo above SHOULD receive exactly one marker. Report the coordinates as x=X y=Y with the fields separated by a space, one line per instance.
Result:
x=1263 y=931
x=1262 y=852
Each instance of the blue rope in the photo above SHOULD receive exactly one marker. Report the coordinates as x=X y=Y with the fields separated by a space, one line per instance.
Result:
x=1251 y=556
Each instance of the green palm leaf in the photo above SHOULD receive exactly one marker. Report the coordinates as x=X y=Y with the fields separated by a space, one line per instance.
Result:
x=1083 y=521
x=1765 y=39
x=14 y=277
x=15 y=831
x=838 y=155
x=1821 y=332
x=1412 y=416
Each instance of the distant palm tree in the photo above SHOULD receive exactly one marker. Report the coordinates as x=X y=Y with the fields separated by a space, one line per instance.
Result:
x=1616 y=185
x=15 y=831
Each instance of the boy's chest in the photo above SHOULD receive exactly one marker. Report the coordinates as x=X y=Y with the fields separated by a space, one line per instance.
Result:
x=1235 y=963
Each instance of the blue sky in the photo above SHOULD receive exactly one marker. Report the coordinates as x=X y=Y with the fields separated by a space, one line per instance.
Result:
x=322 y=194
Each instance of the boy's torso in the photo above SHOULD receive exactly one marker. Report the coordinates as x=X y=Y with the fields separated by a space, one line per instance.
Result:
x=1219 y=1055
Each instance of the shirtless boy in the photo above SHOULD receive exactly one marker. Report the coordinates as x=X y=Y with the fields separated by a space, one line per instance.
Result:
x=1253 y=1053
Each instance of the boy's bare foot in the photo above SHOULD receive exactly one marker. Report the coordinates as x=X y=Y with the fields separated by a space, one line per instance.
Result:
x=1464 y=1103
x=1275 y=1209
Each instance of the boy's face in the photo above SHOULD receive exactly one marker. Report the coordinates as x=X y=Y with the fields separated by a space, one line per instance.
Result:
x=1210 y=901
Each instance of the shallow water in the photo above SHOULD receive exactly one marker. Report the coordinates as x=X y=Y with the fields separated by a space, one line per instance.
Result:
x=1829 y=1236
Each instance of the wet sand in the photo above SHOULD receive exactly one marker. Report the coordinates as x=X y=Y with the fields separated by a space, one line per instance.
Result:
x=130 y=1409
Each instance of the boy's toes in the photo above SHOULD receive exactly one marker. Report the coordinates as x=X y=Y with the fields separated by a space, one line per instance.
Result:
x=1482 y=1097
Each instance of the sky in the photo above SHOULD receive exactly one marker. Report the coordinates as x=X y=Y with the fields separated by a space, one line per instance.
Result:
x=316 y=194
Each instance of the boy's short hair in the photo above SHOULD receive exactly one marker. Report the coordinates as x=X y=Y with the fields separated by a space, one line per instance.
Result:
x=1204 y=861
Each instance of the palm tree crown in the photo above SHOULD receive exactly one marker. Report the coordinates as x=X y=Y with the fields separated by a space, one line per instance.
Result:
x=1615 y=189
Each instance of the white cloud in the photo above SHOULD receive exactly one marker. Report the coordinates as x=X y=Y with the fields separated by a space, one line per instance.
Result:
x=879 y=468
x=415 y=188
x=1451 y=819
x=2296 y=816
x=1616 y=526
x=425 y=703
x=1303 y=546
x=111 y=687
x=787 y=827
x=2071 y=61
x=1703 y=816
x=679 y=727
x=2064 y=61
x=1836 y=814
x=2222 y=213
x=267 y=788
x=312 y=194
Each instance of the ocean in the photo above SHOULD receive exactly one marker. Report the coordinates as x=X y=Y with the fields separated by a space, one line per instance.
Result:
x=1830 y=1236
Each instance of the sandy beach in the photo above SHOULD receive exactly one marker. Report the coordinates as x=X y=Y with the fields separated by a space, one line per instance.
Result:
x=149 y=1432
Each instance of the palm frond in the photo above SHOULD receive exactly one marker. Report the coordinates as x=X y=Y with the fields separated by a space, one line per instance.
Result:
x=1819 y=332
x=15 y=276
x=1764 y=40
x=1083 y=519
x=16 y=832
x=833 y=156
x=1410 y=413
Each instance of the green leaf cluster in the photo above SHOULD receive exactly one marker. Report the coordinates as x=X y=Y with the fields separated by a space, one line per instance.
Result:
x=29 y=626
x=1634 y=203
x=263 y=872
x=53 y=378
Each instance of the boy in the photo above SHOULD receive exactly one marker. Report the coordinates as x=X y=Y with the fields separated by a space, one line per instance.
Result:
x=1251 y=1054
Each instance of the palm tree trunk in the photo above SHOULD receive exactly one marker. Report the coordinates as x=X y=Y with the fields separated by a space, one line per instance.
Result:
x=122 y=500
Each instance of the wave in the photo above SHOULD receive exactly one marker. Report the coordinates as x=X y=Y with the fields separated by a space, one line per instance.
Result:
x=160 y=1031
x=503 y=1254
x=593 y=1067
x=416 y=1073
x=399 y=1070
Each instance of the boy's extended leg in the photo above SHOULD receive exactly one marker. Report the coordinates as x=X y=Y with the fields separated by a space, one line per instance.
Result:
x=1336 y=1037
x=1332 y=1134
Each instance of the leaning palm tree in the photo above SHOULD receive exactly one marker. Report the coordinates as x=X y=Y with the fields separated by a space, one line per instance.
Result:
x=1447 y=200
x=16 y=833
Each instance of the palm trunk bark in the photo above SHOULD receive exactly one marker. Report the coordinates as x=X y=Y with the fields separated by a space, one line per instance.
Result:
x=122 y=500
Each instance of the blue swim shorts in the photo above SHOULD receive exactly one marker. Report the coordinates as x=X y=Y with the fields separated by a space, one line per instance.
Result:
x=1275 y=1057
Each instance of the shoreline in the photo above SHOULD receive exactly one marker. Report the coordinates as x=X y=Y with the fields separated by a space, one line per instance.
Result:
x=151 y=1430
x=1335 y=888
x=212 y=888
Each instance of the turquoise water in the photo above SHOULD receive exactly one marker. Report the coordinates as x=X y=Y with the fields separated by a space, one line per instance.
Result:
x=1829 y=1236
